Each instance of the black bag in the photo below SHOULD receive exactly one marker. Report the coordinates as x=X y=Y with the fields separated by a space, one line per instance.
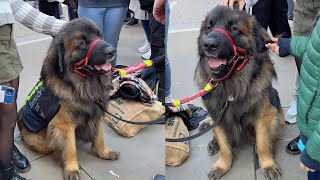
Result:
x=146 y=5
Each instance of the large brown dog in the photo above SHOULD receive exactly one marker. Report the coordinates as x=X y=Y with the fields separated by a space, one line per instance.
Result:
x=254 y=112
x=77 y=80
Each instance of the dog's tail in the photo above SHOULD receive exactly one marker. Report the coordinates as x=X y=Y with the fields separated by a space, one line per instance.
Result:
x=205 y=123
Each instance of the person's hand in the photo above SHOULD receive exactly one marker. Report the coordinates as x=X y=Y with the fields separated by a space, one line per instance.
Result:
x=274 y=46
x=302 y=166
x=230 y=3
x=159 y=11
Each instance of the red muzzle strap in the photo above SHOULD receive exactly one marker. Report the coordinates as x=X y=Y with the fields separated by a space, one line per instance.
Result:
x=85 y=61
x=227 y=35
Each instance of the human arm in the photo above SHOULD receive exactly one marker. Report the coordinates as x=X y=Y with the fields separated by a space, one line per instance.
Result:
x=310 y=156
x=285 y=46
x=231 y=3
x=159 y=10
x=34 y=19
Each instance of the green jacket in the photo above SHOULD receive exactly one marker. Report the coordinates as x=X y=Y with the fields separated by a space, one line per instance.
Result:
x=308 y=49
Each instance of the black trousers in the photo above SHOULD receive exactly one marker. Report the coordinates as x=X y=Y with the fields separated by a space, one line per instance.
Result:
x=273 y=14
x=49 y=8
x=157 y=42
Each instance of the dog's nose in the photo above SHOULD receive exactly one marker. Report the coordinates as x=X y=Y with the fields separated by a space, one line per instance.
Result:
x=109 y=51
x=210 y=43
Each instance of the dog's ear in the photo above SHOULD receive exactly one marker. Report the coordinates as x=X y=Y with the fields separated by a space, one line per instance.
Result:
x=261 y=37
x=54 y=61
x=60 y=51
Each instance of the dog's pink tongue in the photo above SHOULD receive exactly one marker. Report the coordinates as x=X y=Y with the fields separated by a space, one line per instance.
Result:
x=105 y=67
x=216 y=62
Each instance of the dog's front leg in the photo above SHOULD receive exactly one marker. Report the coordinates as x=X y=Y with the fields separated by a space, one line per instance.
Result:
x=223 y=164
x=61 y=134
x=265 y=128
x=103 y=151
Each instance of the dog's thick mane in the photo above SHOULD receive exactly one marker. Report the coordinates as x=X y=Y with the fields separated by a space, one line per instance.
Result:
x=248 y=87
x=75 y=92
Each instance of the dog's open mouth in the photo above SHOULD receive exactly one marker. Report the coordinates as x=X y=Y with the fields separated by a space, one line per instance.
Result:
x=215 y=63
x=104 y=67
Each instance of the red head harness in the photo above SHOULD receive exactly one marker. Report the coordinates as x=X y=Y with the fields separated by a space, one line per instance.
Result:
x=81 y=65
x=236 y=56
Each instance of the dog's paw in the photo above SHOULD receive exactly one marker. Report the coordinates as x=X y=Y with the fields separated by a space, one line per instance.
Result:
x=272 y=172
x=216 y=173
x=205 y=123
x=213 y=147
x=111 y=155
x=72 y=175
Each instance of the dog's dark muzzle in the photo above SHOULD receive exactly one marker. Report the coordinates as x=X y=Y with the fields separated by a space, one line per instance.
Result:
x=102 y=53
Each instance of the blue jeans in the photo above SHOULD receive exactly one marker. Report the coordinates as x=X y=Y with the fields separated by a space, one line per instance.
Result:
x=146 y=28
x=314 y=175
x=109 y=21
x=167 y=63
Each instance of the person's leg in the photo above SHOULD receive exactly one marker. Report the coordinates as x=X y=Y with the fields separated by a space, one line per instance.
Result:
x=291 y=114
x=167 y=92
x=71 y=13
x=112 y=24
x=279 y=24
x=146 y=28
x=8 y=116
x=261 y=10
x=8 y=113
x=290 y=9
x=314 y=175
x=157 y=41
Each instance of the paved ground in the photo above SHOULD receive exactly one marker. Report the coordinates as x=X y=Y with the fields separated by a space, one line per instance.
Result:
x=186 y=17
x=141 y=156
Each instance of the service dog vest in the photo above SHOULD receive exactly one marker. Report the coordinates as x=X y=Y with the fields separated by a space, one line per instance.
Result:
x=39 y=108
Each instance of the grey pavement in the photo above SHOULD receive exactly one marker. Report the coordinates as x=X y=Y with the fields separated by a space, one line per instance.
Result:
x=141 y=156
x=185 y=20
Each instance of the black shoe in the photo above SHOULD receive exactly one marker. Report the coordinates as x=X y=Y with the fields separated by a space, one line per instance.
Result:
x=131 y=23
x=10 y=174
x=292 y=147
x=127 y=19
x=159 y=177
x=20 y=162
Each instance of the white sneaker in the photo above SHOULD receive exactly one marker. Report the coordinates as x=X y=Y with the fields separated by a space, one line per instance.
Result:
x=146 y=55
x=291 y=24
x=145 y=48
x=291 y=114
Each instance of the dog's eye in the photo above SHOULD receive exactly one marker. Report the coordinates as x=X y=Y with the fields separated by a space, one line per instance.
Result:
x=234 y=28
x=83 y=42
x=99 y=34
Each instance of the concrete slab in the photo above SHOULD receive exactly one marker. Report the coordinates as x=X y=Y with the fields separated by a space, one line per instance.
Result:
x=198 y=164
x=47 y=168
x=32 y=156
x=289 y=164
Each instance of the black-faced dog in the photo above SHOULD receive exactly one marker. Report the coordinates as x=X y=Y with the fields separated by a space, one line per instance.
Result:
x=233 y=56
x=74 y=71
